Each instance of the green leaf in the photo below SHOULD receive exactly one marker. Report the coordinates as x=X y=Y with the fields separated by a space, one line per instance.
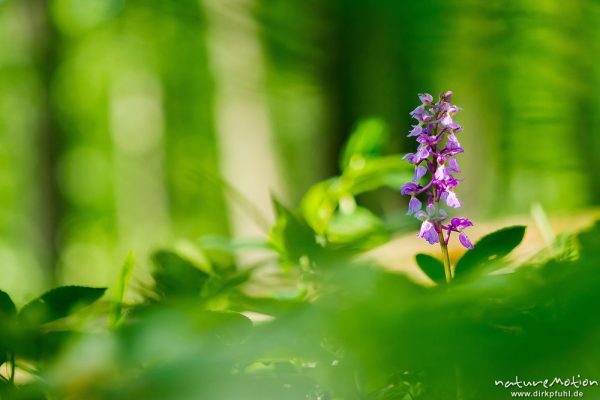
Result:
x=227 y=326
x=59 y=303
x=489 y=249
x=267 y=305
x=388 y=171
x=291 y=236
x=7 y=313
x=175 y=276
x=367 y=141
x=351 y=226
x=432 y=267
x=231 y=246
x=120 y=287
x=319 y=204
x=7 y=307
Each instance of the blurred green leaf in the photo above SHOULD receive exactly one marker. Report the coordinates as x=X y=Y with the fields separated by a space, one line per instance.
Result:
x=7 y=307
x=59 y=303
x=227 y=325
x=490 y=248
x=121 y=286
x=432 y=267
x=291 y=236
x=389 y=171
x=232 y=246
x=589 y=241
x=29 y=391
x=8 y=311
x=267 y=305
x=367 y=141
x=350 y=226
x=175 y=276
x=319 y=204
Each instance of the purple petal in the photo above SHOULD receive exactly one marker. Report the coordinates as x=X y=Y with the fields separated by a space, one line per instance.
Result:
x=453 y=165
x=420 y=171
x=422 y=153
x=430 y=209
x=446 y=96
x=426 y=98
x=453 y=148
x=420 y=114
x=412 y=159
x=447 y=121
x=449 y=184
x=432 y=237
x=464 y=240
x=455 y=127
x=420 y=215
x=452 y=138
x=458 y=224
x=440 y=172
x=428 y=232
x=410 y=188
x=426 y=226
x=452 y=200
x=416 y=130
x=419 y=110
x=414 y=205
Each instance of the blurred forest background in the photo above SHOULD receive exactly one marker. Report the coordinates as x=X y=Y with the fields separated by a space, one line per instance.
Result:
x=125 y=124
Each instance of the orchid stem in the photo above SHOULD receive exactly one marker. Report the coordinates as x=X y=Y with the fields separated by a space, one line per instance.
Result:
x=445 y=256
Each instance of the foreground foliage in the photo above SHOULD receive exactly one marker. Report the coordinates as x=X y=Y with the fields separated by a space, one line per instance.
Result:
x=314 y=320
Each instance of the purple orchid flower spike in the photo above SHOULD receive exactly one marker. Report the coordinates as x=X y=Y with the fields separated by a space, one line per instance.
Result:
x=435 y=162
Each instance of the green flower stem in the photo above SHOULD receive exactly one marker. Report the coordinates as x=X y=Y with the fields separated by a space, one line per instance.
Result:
x=12 y=368
x=445 y=256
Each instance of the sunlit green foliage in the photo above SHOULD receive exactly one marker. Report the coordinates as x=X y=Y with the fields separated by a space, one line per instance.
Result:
x=209 y=327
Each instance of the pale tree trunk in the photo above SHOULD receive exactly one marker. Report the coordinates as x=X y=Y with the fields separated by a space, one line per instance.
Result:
x=247 y=157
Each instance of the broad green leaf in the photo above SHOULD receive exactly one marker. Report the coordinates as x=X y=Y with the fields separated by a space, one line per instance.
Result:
x=120 y=287
x=227 y=326
x=588 y=242
x=175 y=276
x=59 y=303
x=267 y=305
x=291 y=236
x=7 y=307
x=221 y=285
x=319 y=204
x=7 y=314
x=432 y=267
x=490 y=248
x=367 y=141
x=388 y=171
x=351 y=226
